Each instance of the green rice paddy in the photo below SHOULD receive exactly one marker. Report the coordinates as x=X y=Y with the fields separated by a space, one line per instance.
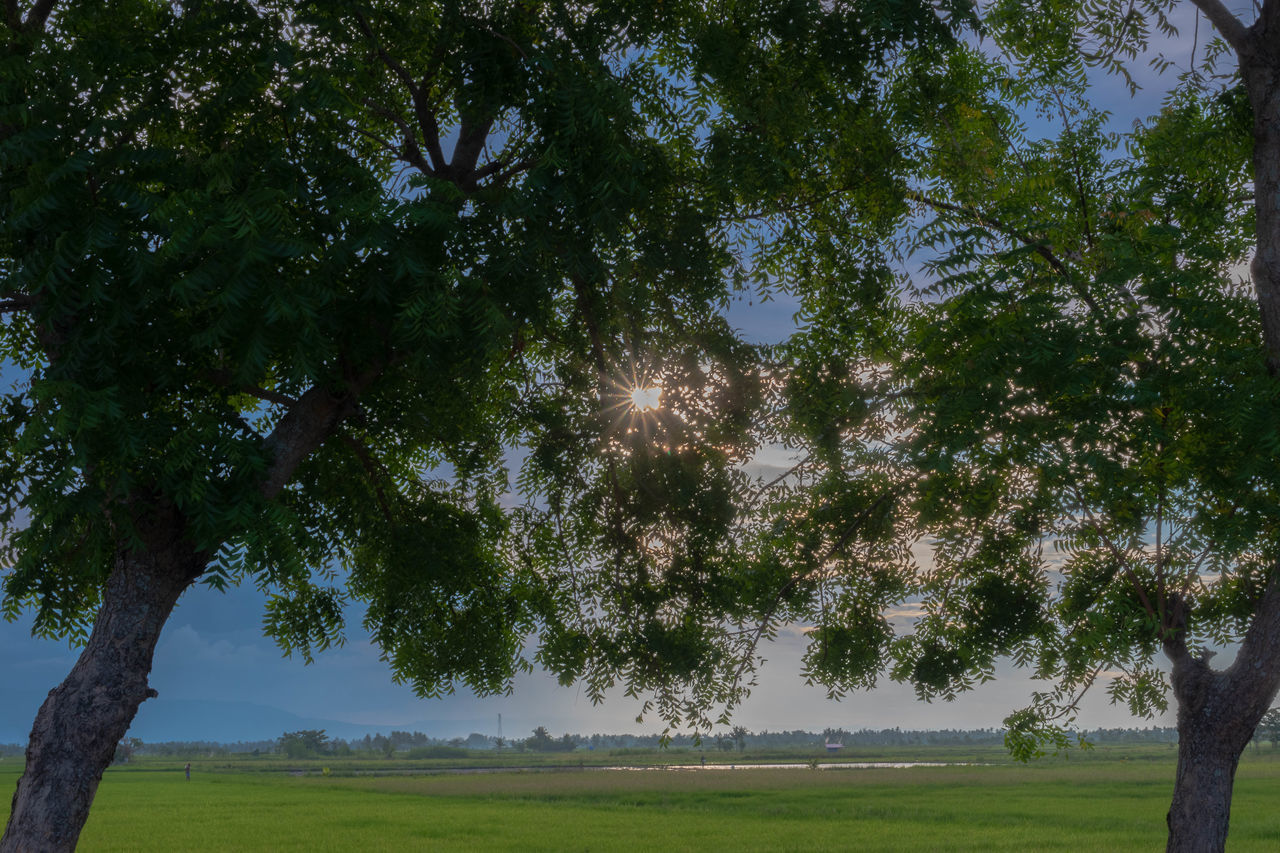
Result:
x=1105 y=800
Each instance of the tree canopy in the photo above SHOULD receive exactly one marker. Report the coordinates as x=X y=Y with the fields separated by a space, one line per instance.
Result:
x=1069 y=402
x=288 y=278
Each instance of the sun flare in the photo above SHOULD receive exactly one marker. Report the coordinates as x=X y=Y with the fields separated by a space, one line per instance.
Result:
x=646 y=399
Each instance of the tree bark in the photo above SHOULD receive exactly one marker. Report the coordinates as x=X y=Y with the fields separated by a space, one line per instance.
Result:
x=1218 y=712
x=1260 y=68
x=1208 y=752
x=78 y=726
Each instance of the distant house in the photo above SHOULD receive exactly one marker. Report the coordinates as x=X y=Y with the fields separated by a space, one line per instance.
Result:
x=834 y=747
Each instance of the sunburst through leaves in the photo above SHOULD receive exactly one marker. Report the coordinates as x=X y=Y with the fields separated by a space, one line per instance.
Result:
x=646 y=398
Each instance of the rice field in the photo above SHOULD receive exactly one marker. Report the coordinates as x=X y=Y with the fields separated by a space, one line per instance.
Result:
x=1101 y=802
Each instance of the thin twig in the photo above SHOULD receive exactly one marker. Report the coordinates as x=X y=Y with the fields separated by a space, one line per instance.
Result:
x=1120 y=557
x=223 y=378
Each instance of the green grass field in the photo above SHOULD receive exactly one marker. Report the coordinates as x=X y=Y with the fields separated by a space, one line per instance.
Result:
x=1104 y=799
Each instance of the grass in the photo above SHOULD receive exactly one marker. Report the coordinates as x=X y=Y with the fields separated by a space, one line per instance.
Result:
x=1105 y=799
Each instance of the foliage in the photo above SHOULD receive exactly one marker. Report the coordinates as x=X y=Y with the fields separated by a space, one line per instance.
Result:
x=304 y=743
x=542 y=741
x=1051 y=439
x=1269 y=728
x=264 y=313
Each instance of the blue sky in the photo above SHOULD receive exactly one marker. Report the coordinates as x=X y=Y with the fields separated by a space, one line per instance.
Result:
x=212 y=651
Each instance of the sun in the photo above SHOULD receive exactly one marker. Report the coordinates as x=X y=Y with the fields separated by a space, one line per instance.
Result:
x=646 y=399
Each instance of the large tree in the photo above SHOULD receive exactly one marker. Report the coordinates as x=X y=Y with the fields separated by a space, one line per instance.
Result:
x=1071 y=403
x=269 y=267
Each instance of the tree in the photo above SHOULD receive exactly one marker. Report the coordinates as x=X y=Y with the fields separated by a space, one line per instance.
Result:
x=1071 y=403
x=540 y=740
x=125 y=750
x=739 y=736
x=1269 y=727
x=305 y=743
x=258 y=301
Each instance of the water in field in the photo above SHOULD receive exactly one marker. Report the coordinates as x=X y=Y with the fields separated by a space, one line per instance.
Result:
x=822 y=765
x=553 y=768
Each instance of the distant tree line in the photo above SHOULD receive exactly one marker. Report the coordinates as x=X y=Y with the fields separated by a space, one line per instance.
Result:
x=1152 y=734
x=315 y=743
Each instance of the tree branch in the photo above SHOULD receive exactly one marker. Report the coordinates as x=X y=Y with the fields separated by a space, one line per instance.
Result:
x=1122 y=561
x=16 y=303
x=408 y=149
x=223 y=378
x=302 y=430
x=583 y=295
x=1255 y=674
x=1038 y=246
x=38 y=15
x=472 y=136
x=12 y=17
x=311 y=420
x=518 y=49
x=1174 y=634
x=388 y=60
x=417 y=93
x=376 y=470
x=1226 y=23
x=760 y=493
x=503 y=172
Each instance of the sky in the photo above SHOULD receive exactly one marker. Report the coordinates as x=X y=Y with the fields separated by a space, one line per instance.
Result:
x=212 y=652
x=213 y=660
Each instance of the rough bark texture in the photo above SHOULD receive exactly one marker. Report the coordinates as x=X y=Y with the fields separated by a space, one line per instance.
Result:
x=78 y=726
x=1207 y=757
x=1218 y=712
x=1260 y=68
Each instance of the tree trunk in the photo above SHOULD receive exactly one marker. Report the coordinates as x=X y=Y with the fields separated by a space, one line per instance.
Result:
x=1218 y=712
x=1262 y=82
x=1207 y=759
x=78 y=726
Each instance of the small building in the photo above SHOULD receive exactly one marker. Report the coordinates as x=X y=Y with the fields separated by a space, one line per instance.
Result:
x=834 y=747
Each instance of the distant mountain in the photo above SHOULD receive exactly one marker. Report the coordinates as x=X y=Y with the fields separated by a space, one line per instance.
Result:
x=223 y=722
x=227 y=722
